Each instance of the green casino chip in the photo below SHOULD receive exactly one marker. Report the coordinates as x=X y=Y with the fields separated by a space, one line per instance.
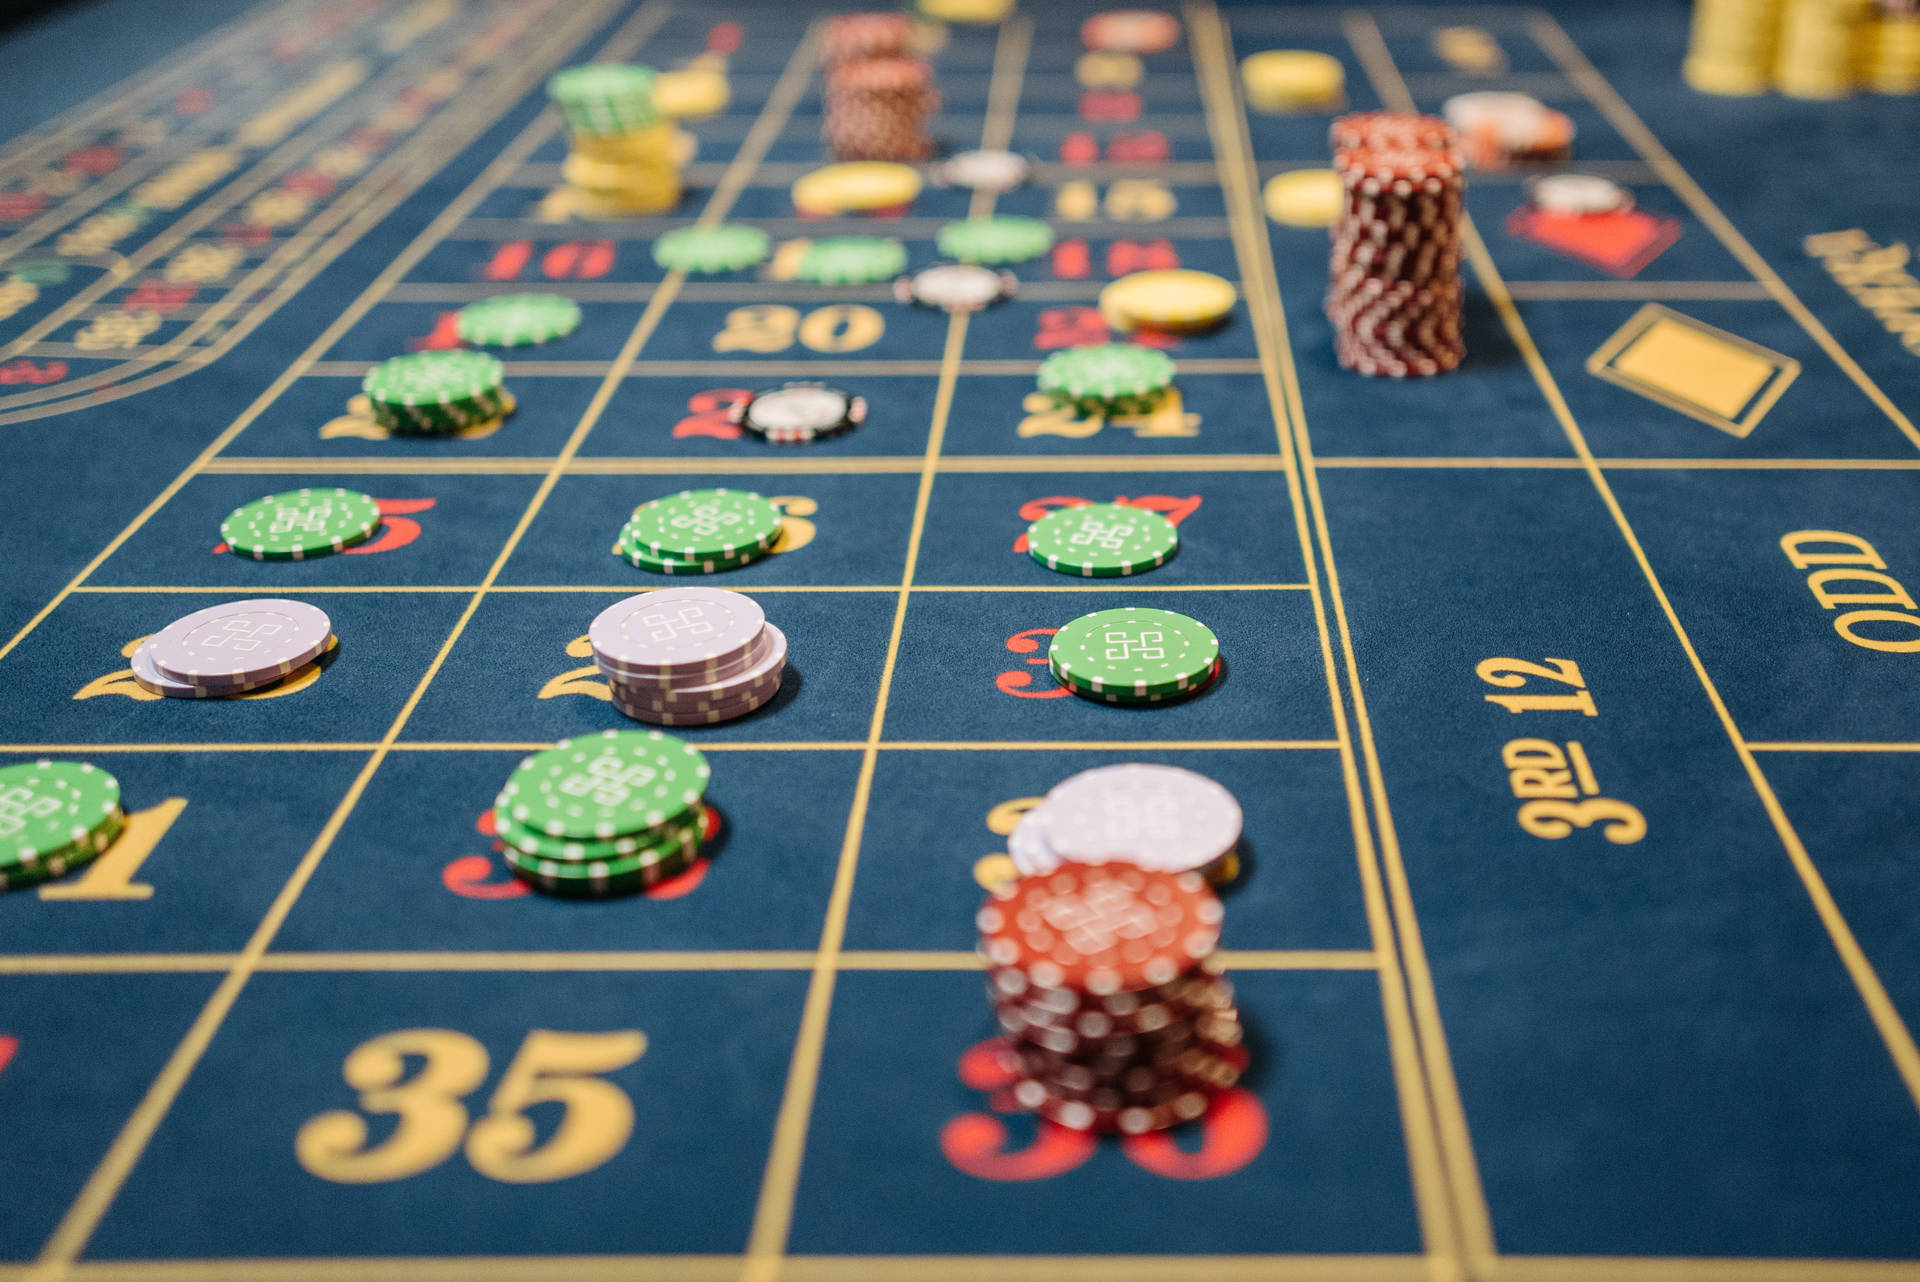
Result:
x=700 y=525
x=1133 y=651
x=600 y=878
x=1106 y=375
x=52 y=809
x=436 y=392
x=646 y=560
x=1127 y=698
x=300 y=524
x=59 y=862
x=853 y=260
x=605 y=98
x=518 y=320
x=1000 y=239
x=729 y=247
x=1102 y=540
x=613 y=784
x=665 y=839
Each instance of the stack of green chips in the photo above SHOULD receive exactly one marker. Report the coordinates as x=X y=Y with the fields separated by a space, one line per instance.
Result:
x=604 y=815
x=1110 y=378
x=55 y=816
x=700 y=532
x=437 y=393
x=605 y=99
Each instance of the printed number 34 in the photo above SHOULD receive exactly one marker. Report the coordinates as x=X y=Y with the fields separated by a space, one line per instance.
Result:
x=550 y=1068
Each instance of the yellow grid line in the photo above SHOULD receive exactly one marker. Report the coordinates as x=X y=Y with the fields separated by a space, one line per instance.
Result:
x=779 y=1187
x=982 y=1268
x=550 y=961
x=1434 y=1198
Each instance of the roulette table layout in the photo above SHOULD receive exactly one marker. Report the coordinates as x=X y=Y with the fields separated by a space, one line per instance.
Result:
x=989 y=641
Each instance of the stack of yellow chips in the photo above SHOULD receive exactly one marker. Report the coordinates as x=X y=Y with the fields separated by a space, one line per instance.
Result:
x=1173 y=301
x=625 y=156
x=1891 y=54
x=1819 y=47
x=1293 y=80
x=1731 y=47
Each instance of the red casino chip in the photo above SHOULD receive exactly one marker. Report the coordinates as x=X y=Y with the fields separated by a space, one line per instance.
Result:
x=1101 y=928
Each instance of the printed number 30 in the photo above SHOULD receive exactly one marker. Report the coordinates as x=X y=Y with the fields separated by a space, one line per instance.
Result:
x=557 y=1068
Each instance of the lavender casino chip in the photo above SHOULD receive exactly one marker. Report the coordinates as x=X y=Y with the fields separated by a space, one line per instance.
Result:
x=241 y=644
x=1027 y=845
x=677 y=632
x=1158 y=817
x=148 y=678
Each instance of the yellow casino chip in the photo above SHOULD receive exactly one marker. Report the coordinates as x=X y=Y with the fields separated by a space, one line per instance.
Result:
x=965 y=10
x=856 y=185
x=1305 y=197
x=691 y=93
x=1175 y=300
x=1292 y=80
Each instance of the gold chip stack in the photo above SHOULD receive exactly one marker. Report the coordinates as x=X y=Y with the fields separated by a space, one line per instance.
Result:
x=1731 y=47
x=1819 y=47
x=1890 y=61
x=624 y=157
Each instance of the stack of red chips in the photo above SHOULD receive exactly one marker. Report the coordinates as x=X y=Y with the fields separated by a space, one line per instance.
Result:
x=1394 y=293
x=879 y=97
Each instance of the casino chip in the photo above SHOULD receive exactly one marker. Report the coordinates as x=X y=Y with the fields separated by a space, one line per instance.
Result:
x=605 y=98
x=956 y=287
x=518 y=320
x=695 y=524
x=1133 y=655
x=1280 y=80
x=54 y=816
x=856 y=186
x=613 y=784
x=995 y=171
x=1304 y=198
x=727 y=247
x=1157 y=817
x=1137 y=31
x=236 y=646
x=1578 y=194
x=1499 y=130
x=798 y=413
x=1106 y=377
x=852 y=260
x=687 y=656
x=690 y=93
x=300 y=524
x=1104 y=981
x=1102 y=540
x=436 y=393
x=1179 y=300
x=1002 y=238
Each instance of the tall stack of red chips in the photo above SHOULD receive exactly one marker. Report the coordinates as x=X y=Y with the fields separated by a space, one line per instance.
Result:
x=1394 y=293
x=879 y=96
x=1103 y=980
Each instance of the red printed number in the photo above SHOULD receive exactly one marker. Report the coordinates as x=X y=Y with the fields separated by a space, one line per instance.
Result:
x=712 y=414
x=1017 y=681
x=1232 y=1134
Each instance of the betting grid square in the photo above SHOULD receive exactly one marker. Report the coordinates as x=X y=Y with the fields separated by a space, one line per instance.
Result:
x=1336 y=692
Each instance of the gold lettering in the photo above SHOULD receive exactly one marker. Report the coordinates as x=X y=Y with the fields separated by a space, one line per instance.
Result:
x=1827 y=244
x=1862 y=554
x=1894 y=594
x=1846 y=623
